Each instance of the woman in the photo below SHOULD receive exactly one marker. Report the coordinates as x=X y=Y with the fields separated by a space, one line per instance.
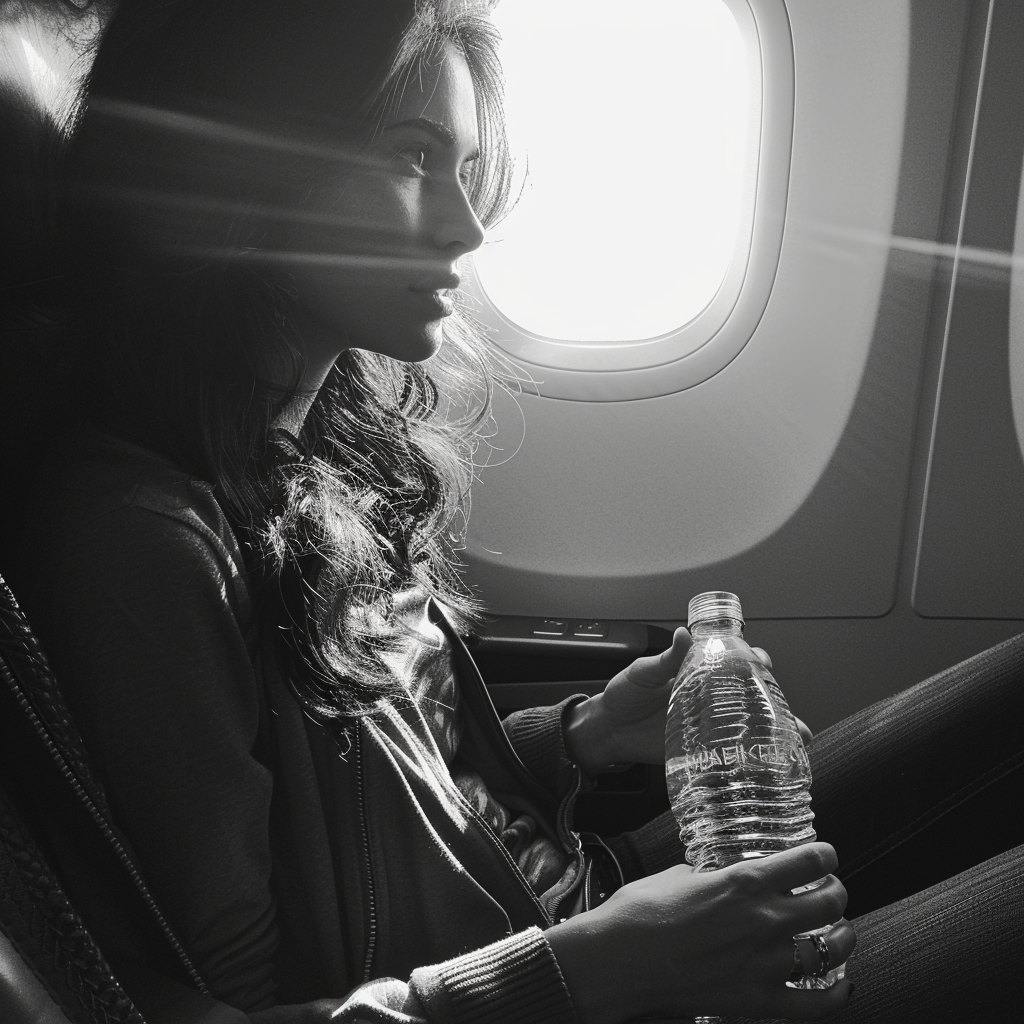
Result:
x=245 y=577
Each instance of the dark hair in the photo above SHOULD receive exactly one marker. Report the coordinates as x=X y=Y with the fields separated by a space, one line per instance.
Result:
x=204 y=120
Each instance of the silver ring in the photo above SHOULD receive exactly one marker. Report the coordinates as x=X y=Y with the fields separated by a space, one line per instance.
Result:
x=824 y=956
x=823 y=953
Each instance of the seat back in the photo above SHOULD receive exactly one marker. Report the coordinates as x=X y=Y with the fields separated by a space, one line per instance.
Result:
x=56 y=839
x=58 y=844
x=23 y=999
x=51 y=970
x=32 y=303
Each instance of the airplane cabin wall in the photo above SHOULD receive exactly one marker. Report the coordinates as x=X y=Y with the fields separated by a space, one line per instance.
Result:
x=890 y=514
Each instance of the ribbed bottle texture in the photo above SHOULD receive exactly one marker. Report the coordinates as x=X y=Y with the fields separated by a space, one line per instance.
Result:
x=737 y=772
x=735 y=764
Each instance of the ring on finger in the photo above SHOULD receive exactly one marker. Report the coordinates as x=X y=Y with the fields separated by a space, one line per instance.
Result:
x=824 y=956
x=807 y=949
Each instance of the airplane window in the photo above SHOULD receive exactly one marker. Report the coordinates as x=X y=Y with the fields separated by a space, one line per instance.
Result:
x=636 y=139
x=657 y=159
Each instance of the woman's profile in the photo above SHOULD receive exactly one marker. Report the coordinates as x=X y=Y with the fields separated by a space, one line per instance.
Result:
x=243 y=569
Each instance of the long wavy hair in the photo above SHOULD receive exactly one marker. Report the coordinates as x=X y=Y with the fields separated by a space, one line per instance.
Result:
x=204 y=123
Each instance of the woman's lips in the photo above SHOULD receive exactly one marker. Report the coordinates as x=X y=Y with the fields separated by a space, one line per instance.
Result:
x=447 y=280
x=439 y=301
x=436 y=291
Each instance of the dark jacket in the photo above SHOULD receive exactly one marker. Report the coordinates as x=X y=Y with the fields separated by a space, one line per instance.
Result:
x=277 y=866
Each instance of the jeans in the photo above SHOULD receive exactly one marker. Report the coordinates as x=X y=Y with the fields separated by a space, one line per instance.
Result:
x=922 y=795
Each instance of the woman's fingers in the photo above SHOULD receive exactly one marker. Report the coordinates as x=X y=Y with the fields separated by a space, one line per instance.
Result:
x=657 y=670
x=817 y=907
x=661 y=668
x=841 y=941
x=820 y=898
x=805 y=731
x=791 y=869
x=806 y=1004
x=809 y=1004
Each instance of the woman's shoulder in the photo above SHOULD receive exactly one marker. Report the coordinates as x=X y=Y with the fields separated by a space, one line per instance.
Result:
x=89 y=473
x=100 y=501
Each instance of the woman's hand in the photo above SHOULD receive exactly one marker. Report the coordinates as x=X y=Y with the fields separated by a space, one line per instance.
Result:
x=626 y=722
x=802 y=727
x=681 y=943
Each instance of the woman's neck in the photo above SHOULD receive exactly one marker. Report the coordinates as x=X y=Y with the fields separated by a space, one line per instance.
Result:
x=293 y=416
x=320 y=358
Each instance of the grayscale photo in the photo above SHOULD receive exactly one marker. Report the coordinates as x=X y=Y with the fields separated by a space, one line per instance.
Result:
x=511 y=511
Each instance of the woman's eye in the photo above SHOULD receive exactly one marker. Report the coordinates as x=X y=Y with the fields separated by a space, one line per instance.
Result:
x=413 y=157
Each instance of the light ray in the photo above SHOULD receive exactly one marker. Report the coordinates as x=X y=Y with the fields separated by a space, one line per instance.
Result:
x=222 y=131
x=920 y=246
x=45 y=84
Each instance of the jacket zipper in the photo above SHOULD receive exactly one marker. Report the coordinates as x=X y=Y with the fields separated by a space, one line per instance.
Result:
x=371 y=938
x=569 y=839
x=105 y=829
x=572 y=843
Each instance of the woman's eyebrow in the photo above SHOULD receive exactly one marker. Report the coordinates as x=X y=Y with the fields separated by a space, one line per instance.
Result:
x=440 y=131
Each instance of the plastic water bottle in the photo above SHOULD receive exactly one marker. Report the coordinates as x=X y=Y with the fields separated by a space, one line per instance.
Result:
x=735 y=764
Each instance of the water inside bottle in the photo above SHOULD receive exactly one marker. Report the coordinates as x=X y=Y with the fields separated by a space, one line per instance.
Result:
x=737 y=772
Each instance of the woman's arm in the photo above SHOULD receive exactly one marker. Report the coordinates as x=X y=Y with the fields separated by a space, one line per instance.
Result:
x=137 y=615
x=512 y=981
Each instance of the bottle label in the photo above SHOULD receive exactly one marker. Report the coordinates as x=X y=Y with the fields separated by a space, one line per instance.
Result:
x=701 y=758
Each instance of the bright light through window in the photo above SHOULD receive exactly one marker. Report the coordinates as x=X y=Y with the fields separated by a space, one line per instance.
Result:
x=634 y=120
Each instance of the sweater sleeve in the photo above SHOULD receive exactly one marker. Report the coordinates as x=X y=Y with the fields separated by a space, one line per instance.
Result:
x=137 y=612
x=513 y=981
x=538 y=736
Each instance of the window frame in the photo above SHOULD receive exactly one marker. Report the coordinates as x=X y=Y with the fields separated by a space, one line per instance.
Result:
x=700 y=348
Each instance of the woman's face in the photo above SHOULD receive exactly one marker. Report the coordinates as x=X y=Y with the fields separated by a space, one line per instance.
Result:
x=378 y=268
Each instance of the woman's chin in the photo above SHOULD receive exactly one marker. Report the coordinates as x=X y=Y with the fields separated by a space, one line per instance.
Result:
x=413 y=348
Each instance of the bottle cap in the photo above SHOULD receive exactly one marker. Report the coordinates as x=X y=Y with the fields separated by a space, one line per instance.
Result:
x=715 y=604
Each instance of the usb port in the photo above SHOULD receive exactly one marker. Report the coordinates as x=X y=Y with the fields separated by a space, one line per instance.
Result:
x=551 y=627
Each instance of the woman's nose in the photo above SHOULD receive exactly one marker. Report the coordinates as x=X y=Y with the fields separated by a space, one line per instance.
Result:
x=456 y=227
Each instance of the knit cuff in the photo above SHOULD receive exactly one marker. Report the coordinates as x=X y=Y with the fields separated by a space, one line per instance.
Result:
x=513 y=981
x=538 y=735
x=651 y=848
